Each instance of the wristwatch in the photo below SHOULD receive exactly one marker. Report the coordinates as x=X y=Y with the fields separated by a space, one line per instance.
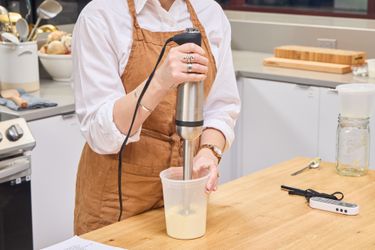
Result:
x=215 y=150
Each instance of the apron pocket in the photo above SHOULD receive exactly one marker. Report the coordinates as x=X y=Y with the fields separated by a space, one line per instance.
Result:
x=149 y=156
x=140 y=194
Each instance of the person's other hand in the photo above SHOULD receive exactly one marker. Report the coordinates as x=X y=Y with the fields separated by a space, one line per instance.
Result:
x=174 y=69
x=204 y=160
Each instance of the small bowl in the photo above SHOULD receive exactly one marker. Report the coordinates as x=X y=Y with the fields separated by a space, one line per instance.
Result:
x=59 y=67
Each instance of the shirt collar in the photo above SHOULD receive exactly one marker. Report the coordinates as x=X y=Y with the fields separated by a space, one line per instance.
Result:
x=139 y=5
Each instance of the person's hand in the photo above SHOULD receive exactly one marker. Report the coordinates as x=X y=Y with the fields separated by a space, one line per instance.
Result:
x=174 y=69
x=204 y=160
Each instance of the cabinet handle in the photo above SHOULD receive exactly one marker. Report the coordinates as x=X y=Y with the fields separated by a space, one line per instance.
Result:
x=68 y=116
x=303 y=86
x=306 y=90
x=333 y=91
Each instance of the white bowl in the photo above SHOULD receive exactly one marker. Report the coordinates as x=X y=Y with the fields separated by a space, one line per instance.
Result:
x=60 y=67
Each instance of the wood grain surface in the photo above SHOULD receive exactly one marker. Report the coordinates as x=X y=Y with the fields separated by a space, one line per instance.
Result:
x=253 y=213
x=318 y=54
x=307 y=65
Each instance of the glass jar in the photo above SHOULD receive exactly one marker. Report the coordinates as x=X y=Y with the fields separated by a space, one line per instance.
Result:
x=353 y=146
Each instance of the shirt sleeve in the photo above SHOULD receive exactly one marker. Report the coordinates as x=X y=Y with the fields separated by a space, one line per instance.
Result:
x=223 y=104
x=97 y=85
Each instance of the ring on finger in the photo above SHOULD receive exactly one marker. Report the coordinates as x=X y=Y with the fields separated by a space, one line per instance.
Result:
x=189 y=58
x=189 y=67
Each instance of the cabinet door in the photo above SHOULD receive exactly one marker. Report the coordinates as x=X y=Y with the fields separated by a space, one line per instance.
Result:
x=328 y=117
x=328 y=120
x=54 y=165
x=280 y=121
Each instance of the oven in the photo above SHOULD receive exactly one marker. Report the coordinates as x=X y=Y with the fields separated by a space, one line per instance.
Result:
x=15 y=204
x=16 y=143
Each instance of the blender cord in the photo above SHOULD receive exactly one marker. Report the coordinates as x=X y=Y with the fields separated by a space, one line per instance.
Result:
x=308 y=193
x=123 y=146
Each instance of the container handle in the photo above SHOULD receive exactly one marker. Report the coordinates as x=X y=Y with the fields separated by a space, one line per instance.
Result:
x=24 y=52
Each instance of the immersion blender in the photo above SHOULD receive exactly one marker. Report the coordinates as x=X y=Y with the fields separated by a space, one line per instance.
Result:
x=189 y=109
x=189 y=112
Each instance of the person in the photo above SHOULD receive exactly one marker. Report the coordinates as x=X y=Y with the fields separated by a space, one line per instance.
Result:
x=116 y=45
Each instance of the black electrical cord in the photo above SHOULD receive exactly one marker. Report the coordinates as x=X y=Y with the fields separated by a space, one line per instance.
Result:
x=123 y=146
x=308 y=193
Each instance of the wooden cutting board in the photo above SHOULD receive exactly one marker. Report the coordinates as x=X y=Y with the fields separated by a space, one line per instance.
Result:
x=316 y=54
x=307 y=65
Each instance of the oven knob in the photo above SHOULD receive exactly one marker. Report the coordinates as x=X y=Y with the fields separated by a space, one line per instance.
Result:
x=14 y=132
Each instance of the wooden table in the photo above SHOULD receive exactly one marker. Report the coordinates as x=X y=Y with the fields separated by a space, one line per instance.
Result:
x=253 y=213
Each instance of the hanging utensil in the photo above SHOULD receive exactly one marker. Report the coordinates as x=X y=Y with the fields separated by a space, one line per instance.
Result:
x=28 y=7
x=22 y=29
x=4 y=11
x=13 y=17
x=46 y=10
x=9 y=37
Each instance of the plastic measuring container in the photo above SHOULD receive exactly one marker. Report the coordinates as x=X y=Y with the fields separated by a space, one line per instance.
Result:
x=185 y=204
x=356 y=100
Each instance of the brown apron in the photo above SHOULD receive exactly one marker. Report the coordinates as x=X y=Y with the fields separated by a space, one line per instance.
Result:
x=159 y=146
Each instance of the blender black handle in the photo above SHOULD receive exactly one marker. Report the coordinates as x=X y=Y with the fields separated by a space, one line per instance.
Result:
x=191 y=35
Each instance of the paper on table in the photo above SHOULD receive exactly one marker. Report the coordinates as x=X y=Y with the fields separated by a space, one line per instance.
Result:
x=77 y=243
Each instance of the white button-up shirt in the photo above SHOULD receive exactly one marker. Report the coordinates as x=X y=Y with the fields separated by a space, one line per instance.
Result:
x=101 y=46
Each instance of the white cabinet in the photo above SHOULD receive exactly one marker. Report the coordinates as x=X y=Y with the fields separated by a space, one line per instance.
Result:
x=279 y=122
x=230 y=164
x=54 y=165
x=329 y=111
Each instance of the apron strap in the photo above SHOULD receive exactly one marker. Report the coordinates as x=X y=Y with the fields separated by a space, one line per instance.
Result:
x=137 y=31
x=194 y=18
x=197 y=24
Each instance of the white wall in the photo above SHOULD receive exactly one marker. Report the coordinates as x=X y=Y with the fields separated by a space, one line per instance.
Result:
x=264 y=32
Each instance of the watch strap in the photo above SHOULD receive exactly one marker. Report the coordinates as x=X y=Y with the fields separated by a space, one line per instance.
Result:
x=215 y=150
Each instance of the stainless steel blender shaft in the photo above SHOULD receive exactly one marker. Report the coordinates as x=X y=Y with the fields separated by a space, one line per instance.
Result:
x=189 y=120
x=188 y=159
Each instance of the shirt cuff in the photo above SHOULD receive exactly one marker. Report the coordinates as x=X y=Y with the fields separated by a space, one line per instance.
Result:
x=116 y=132
x=224 y=128
x=109 y=137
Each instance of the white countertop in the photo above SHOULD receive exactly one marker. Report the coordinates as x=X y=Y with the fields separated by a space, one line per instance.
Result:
x=59 y=92
x=250 y=64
